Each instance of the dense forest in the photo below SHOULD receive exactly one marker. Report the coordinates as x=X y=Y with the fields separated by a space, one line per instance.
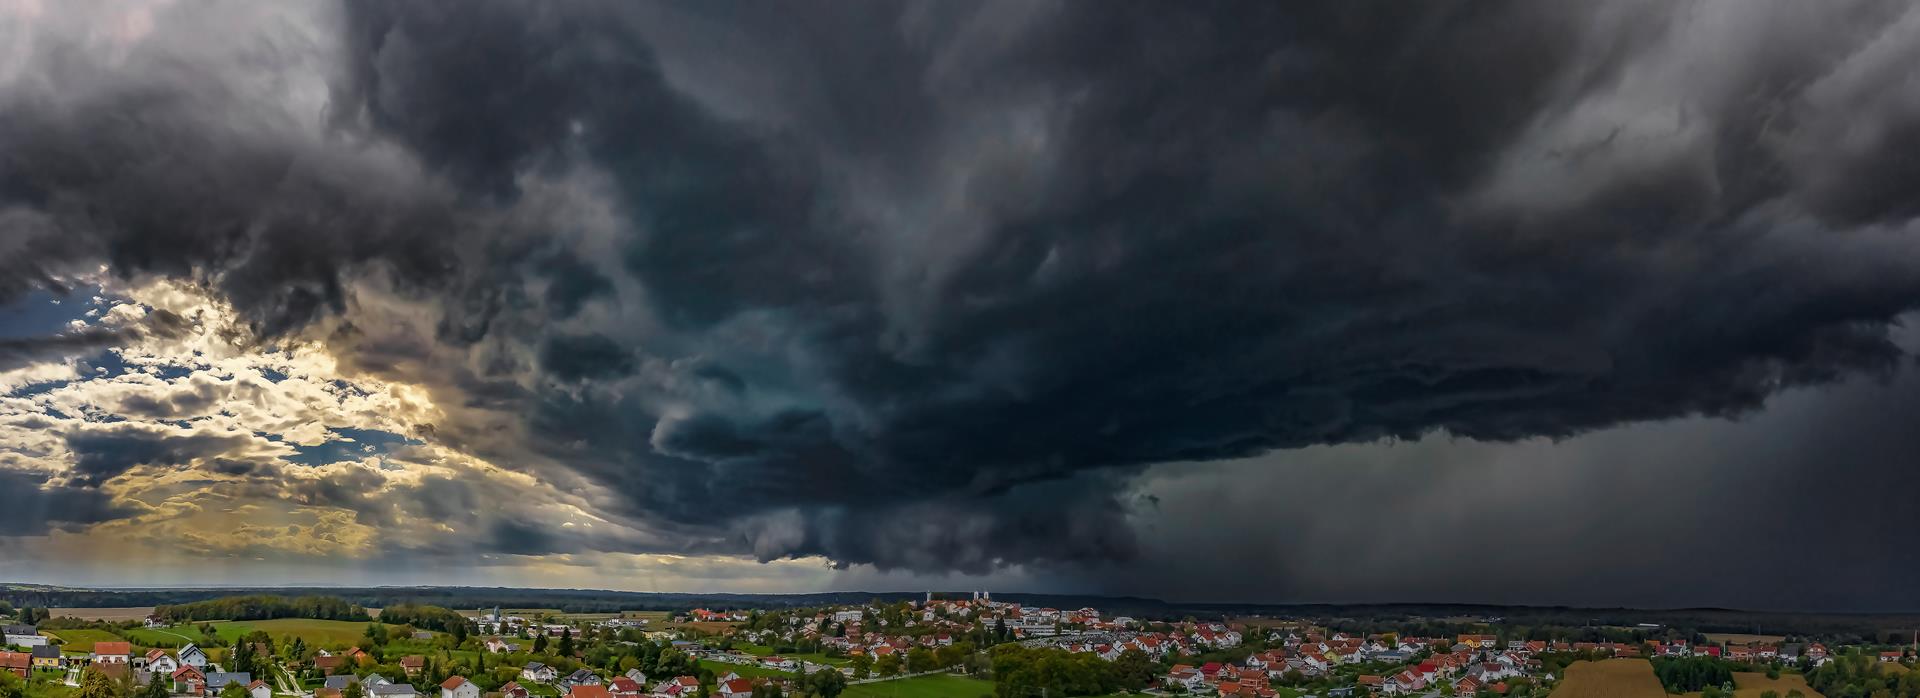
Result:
x=425 y=618
x=1856 y=675
x=263 y=607
x=1689 y=674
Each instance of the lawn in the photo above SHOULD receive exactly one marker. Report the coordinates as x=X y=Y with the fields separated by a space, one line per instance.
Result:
x=82 y=640
x=815 y=657
x=1611 y=678
x=745 y=671
x=166 y=637
x=819 y=658
x=1752 y=684
x=935 y=686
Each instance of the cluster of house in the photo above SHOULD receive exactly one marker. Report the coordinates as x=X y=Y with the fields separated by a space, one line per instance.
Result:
x=633 y=684
x=940 y=622
x=1468 y=663
x=1758 y=652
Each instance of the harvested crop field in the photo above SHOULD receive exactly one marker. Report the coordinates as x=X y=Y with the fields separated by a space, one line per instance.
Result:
x=111 y=614
x=1752 y=684
x=1611 y=678
x=1745 y=639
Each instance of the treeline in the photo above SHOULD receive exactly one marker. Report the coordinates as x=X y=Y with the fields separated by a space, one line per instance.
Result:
x=1689 y=674
x=1048 y=671
x=262 y=607
x=445 y=620
x=1855 y=674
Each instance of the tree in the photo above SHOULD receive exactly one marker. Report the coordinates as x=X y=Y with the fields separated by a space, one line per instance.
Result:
x=920 y=659
x=540 y=644
x=155 y=689
x=887 y=665
x=234 y=690
x=12 y=686
x=862 y=666
x=1133 y=669
x=94 y=684
x=353 y=690
x=826 y=683
x=242 y=657
x=566 y=642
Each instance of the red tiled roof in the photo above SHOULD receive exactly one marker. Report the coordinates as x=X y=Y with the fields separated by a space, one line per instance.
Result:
x=589 y=690
x=112 y=648
x=453 y=682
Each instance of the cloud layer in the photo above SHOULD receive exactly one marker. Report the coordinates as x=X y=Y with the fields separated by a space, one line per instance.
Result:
x=923 y=286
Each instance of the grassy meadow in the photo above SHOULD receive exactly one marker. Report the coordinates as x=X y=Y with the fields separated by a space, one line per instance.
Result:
x=746 y=671
x=81 y=640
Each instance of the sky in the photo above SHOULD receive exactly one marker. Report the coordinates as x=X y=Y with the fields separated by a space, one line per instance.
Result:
x=1507 y=302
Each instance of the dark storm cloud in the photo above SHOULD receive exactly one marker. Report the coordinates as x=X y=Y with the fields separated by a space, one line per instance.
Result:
x=873 y=281
x=1793 y=509
x=22 y=351
x=30 y=507
x=103 y=454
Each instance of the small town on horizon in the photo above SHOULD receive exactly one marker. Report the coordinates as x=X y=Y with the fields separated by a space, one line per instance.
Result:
x=941 y=645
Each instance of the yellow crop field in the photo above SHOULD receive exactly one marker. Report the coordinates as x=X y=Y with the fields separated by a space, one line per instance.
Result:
x=1611 y=678
x=1752 y=684
x=1745 y=639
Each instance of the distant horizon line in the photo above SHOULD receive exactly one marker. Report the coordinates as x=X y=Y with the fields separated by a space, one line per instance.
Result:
x=1156 y=600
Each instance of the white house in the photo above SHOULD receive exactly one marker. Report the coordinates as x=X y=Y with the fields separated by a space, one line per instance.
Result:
x=539 y=673
x=159 y=662
x=459 y=687
x=259 y=689
x=24 y=636
x=191 y=655
x=737 y=688
x=112 y=652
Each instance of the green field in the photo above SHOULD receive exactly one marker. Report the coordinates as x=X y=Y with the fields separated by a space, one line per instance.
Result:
x=317 y=633
x=166 y=637
x=935 y=686
x=746 y=671
x=819 y=658
x=82 y=640
x=815 y=657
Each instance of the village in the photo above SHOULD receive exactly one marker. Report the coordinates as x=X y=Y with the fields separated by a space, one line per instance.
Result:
x=935 y=647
